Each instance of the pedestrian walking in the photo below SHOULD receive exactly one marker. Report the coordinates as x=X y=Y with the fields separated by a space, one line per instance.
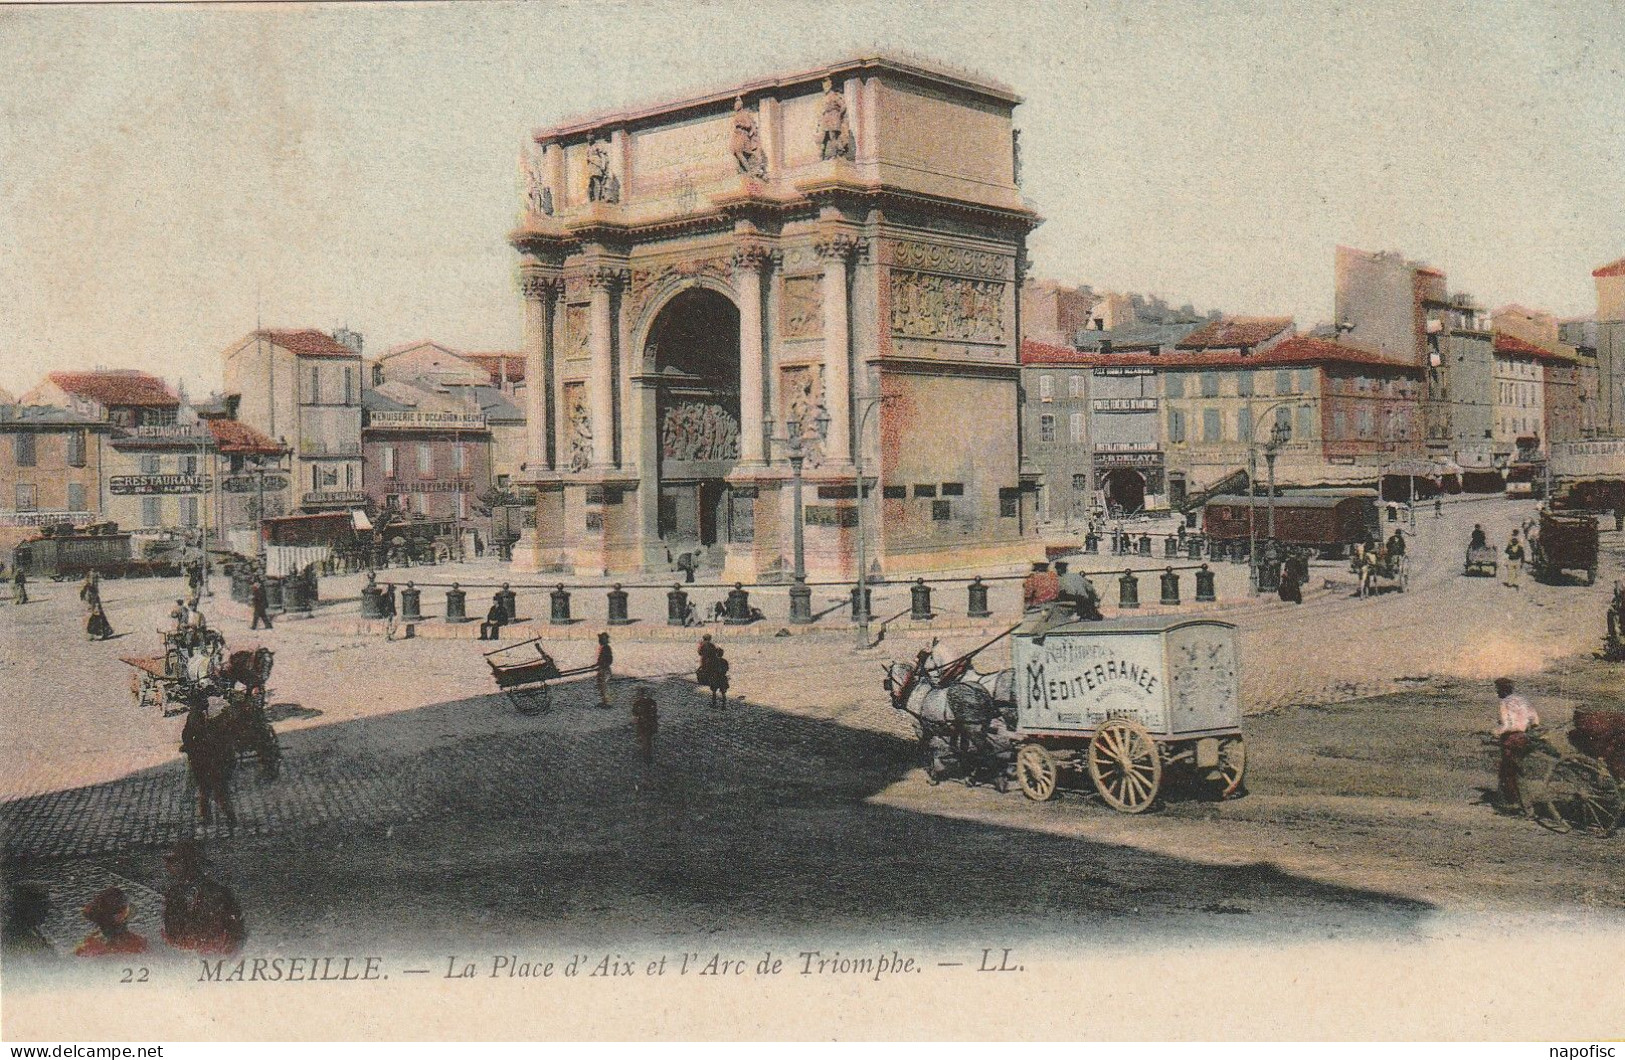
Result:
x=1517 y=719
x=708 y=654
x=19 y=586
x=257 y=597
x=386 y=605
x=606 y=659
x=177 y=615
x=211 y=758
x=91 y=591
x=1438 y=508
x=495 y=619
x=109 y=911
x=1514 y=561
x=97 y=627
x=200 y=913
x=645 y=722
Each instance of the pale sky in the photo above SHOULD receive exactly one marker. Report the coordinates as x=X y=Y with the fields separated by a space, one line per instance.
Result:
x=165 y=171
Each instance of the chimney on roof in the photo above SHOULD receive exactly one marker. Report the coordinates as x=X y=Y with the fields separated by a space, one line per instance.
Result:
x=347 y=338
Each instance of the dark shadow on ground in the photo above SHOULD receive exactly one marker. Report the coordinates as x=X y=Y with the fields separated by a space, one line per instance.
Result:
x=751 y=820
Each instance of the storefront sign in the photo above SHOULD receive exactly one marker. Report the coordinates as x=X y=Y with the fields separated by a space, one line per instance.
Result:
x=150 y=485
x=1126 y=447
x=1125 y=371
x=45 y=518
x=253 y=484
x=1578 y=459
x=414 y=420
x=1128 y=459
x=1124 y=404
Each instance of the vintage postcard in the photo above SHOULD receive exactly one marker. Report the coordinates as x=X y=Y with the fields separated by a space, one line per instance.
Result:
x=778 y=520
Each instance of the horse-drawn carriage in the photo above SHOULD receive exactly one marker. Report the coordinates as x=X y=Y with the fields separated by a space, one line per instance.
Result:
x=1573 y=781
x=1130 y=704
x=1565 y=542
x=1375 y=566
x=194 y=668
x=1481 y=561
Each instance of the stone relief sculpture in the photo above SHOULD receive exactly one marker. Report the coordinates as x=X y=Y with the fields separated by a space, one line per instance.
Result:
x=803 y=397
x=952 y=308
x=602 y=184
x=538 y=195
x=580 y=428
x=834 y=132
x=697 y=430
x=802 y=308
x=746 y=142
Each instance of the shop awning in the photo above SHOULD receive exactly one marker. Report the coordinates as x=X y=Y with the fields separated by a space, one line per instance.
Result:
x=359 y=520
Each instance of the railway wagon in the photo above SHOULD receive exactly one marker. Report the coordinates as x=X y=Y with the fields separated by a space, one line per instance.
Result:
x=1330 y=524
x=69 y=553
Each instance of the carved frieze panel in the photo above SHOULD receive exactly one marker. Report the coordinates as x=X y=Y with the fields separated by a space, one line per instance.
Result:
x=647 y=279
x=951 y=308
x=577 y=331
x=696 y=430
x=579 y=431
x=801 y=399
x=933 y=257
x=801 y=308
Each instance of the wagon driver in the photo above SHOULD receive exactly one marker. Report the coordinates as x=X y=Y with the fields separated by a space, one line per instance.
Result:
x=1517 y=719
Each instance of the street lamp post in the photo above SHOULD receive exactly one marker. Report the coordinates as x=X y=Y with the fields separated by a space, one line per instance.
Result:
x=795 y=450
x=1280 y=434
x=862 y=600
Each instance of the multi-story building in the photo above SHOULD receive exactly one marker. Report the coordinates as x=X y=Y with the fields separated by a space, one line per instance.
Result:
x=1382 y=303
x=426 y=453
x=305 y=387
x=1459 y=401
x=1610 y=349
x=120 y=397
x=1051 y=312
x=1055 y=442
x=1522 y=394
x=50 y=469
x=506 y=369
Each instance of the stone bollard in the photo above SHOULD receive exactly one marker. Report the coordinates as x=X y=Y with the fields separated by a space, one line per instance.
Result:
x=1170 y=587
x=411 y=603
x=677 y=606
x=920 y=601
x=296 y=595
x=372 y=598
x=1145 y=545
x=868 y=602
x=1204 y=586
x=510 y=602
x=1091 y=544
x=736 y=610
x=559 y=607
x=1128 y=591
x=1170 y=547
x=1216 y=550
x=801 y=603
x=617 y=607
x=1193 y=549
x=273 y=596
x=977 y=592
x=456 y=604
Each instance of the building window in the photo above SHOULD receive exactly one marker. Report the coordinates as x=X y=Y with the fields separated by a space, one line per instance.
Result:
x=924 y=491
x=389 y=461
x=1210 y=384
x=26 y=497
x=953 y=489
x=76 y=497
x=1363 y=423
x=1306 y=380
x=421 y=501
x=1306 y=423
x=1283 y=382
x=1283 y=419
x=1212 y=425
x=1009 y=501
x=1244 y=423
x=890 y=493
x=460 y=452
x=1244 y=384
x=152 y=512
x=188 y=465
x=76 y=448
x=1077 y=428
x=1176 y=426
x=1340 y=425
x=425 y=460
x=315 y=386
x=1080 y=483
x=151 y=464
x=349 y=476
x=462 y=505
x=27 y=455
x=188 y=511
x=1176 y=385
x=1075 y=387
x=941 y=511
x=1046 y=428
x=1046 y=388
x=392 y=501
x=349 y=386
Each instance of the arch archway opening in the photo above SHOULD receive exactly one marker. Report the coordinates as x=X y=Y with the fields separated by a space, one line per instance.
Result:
x=1125 y=490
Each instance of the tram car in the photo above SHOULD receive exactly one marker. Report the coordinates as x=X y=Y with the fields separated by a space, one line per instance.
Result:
x=68 y=553
x=1330 y=523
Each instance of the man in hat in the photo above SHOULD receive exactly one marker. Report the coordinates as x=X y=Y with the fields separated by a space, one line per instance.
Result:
x=1517 y=718
x=1514 y=561
x=19 y=586
x=1075 y=592
x=258 y=598
x=606 y=659
x=495 y=619
x=645 y=722
x=200 y=913
x=1479 y=538
x=1396 y=543
x=110 y=912
x=177 y=615
x=211 y=758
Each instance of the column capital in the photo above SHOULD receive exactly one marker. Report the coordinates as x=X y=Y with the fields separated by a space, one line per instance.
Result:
x=539 y=284
x=751 y=255
x=606 y=277
x=842 y=246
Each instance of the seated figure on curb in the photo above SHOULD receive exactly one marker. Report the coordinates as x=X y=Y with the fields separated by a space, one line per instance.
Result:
x=495 y=619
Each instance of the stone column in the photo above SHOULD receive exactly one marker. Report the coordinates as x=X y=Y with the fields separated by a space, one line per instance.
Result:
x=836 y=251
x=541 y=293
x=748 y=262
x=601 y=407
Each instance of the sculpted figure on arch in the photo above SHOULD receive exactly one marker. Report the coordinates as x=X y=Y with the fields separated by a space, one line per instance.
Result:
x=834 y=132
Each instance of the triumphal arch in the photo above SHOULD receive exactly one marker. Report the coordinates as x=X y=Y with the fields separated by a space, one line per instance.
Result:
x=824 y=263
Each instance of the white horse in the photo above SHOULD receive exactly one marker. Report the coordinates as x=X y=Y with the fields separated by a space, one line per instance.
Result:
x=999 y=685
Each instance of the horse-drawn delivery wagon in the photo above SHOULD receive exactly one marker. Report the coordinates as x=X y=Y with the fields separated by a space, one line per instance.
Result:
x=1565 y=542
x=1129 y=702
x=195 y=668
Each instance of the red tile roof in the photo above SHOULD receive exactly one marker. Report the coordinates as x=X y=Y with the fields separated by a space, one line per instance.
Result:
x=118 y=389
x=307 y=342
x=234 y=437
x=492 y=362
x=1299 y=351
x=1235 y=332
x=1613 y=268
x=1513 y=346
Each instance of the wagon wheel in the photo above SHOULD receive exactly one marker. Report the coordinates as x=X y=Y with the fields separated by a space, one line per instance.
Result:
x=532 y=701
x=1578 y=792
x=1037 y=772
x=1125 y=766
x=1226 y=777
